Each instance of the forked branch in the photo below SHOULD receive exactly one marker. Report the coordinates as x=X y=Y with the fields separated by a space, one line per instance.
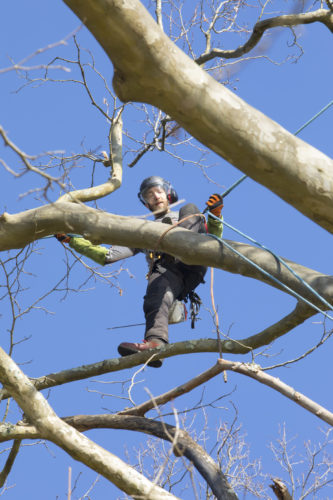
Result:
x=115 y=162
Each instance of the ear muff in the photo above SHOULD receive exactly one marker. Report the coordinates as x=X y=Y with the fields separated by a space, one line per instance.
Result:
x=172 y=195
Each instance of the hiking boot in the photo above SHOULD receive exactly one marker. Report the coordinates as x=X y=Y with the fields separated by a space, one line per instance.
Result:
x=128 y=348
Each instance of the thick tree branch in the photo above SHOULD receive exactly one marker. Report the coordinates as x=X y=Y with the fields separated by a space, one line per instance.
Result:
x=321 y=15
x=99 y=227
x=150 y=68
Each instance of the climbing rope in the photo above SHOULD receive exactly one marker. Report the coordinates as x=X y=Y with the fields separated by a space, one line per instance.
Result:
x=273 y=278
x=283 y=263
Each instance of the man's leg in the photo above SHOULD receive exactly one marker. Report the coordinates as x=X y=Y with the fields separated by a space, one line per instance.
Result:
x=163 y=288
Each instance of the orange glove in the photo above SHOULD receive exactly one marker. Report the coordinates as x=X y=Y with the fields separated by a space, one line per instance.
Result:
x=63 y=238
x=215 y=204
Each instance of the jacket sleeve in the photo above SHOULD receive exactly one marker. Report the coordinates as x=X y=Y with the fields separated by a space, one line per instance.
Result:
x=100 y=254
x=215 y=226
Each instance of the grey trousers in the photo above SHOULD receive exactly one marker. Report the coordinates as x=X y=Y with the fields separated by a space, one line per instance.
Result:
x=170 y=280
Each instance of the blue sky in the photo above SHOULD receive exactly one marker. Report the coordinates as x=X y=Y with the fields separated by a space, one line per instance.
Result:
x=58 y=116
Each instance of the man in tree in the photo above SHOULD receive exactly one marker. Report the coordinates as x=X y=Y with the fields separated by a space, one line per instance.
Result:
x=169 y=279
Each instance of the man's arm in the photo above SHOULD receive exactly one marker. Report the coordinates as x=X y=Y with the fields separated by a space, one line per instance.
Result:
x=215 y=226
x=100 y=254
x=215 y=205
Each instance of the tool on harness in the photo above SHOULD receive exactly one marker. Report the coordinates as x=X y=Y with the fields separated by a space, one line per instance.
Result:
x=177 y=313
x=195 y=303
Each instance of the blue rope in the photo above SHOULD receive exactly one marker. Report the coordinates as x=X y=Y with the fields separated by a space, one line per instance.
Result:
x=314 y=117
x=309 y=287
x=241 y=179
x=295 y=294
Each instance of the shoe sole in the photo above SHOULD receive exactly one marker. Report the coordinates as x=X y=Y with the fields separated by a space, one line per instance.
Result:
x=127 y=351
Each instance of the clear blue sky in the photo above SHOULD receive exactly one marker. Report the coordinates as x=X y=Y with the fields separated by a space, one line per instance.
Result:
x=75 y=331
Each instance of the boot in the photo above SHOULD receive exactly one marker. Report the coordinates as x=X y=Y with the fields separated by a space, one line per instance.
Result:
x=128 y=348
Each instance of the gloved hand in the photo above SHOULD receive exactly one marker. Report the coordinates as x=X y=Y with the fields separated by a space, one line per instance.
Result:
x=215 y=204
x=62 y=237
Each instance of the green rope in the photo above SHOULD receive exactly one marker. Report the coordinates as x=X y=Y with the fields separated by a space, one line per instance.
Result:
x=241 y=179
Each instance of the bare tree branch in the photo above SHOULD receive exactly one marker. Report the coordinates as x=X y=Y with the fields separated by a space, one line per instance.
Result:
x=26 y=161
x=255 y=372
x=321 y=15
x=21 y=65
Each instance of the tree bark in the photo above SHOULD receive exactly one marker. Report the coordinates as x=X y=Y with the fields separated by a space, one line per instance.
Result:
x=182 y=443
x=150 y=68
x=20 y=229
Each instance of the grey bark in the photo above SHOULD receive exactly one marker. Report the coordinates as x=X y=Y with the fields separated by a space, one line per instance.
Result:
x=18 y=230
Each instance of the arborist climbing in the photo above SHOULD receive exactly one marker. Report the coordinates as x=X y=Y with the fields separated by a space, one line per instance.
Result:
x=169 y=279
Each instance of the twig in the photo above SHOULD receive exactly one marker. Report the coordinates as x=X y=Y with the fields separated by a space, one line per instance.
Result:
x=10 y=461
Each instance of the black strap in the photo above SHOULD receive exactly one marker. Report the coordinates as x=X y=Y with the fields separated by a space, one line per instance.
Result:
x=195 y=306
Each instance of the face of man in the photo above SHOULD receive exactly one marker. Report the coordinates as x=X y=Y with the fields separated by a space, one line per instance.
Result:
x=156 y=200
